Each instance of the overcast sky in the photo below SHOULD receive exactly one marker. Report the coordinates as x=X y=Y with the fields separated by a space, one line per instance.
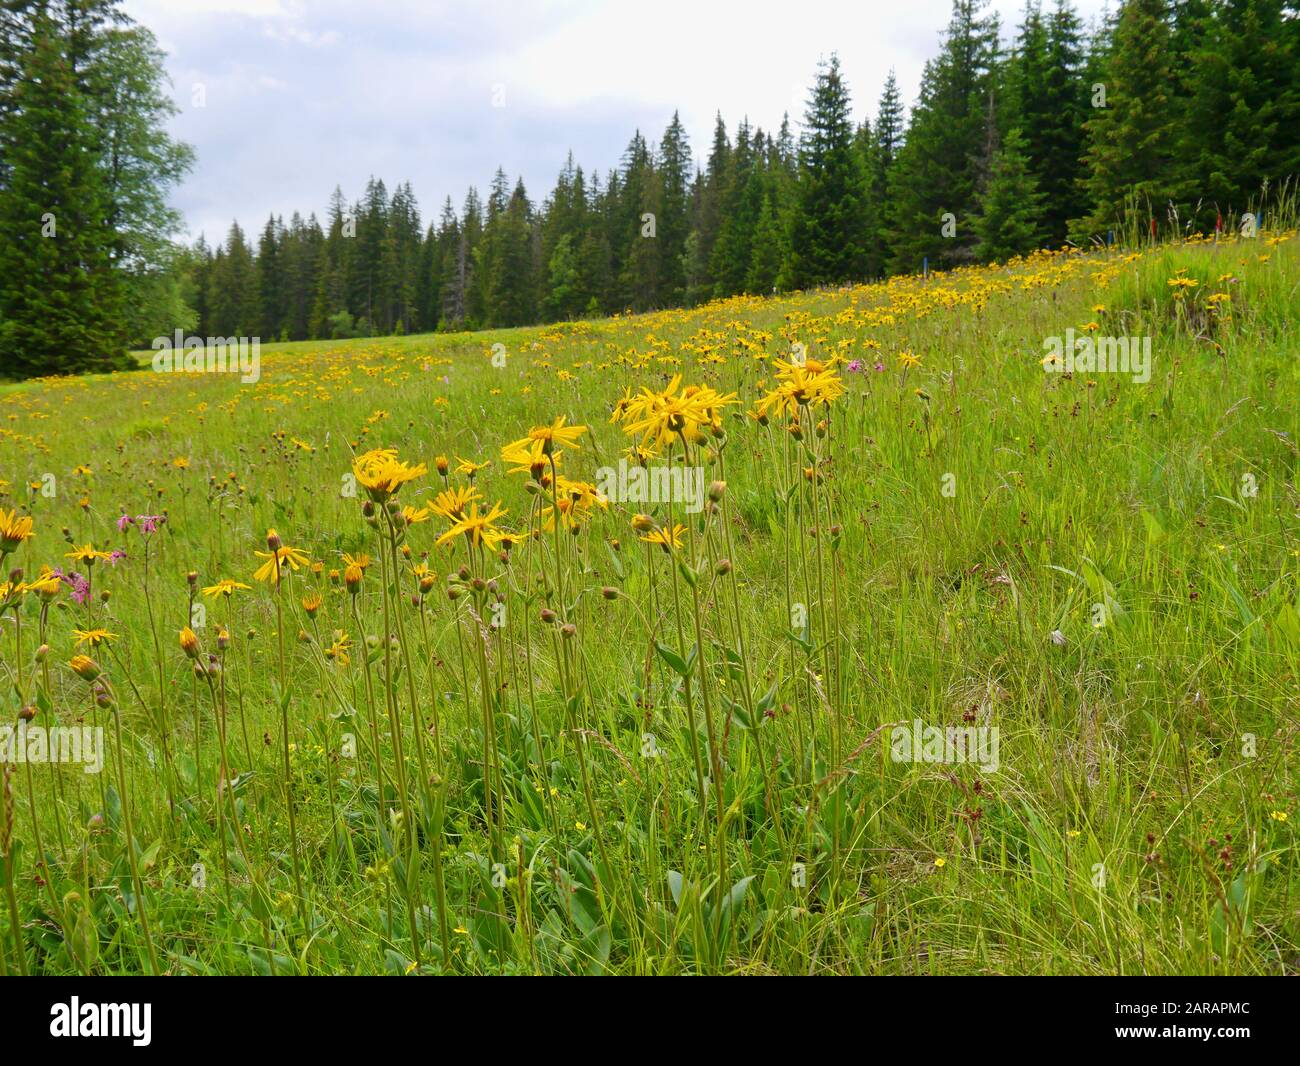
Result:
x=301 y=95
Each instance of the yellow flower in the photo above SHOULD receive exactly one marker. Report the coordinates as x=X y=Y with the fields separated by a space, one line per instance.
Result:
x=907 y=359
x=1278 y=816
x=189 y=642
x=93 y=637
x=549 y=436
x=381 y=473
x=476 y=528
x=225 y=587
x=352 y=578
x=46 y=586
x=940 y=862
x=528 y=456
x=86 y=554
x=468 y=468
x=451 y=503
x=84 y=667
x=661 y=417
x=276 y=560
x=14 y=529
x=338 y=651
x=665 y=538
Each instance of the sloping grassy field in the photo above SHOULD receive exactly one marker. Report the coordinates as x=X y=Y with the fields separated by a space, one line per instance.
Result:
x=666 y=743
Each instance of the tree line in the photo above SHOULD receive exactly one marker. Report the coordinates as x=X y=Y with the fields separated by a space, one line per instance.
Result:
x=1184 y=111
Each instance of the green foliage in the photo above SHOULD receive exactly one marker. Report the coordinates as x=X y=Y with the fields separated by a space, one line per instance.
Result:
x=1132 y=140
x=85 y=166
x=938 y=169
x=829 y=231
x=1007 y=223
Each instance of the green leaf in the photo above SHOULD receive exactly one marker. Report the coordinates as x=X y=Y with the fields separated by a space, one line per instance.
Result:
x=675 y=886
x=674 y=661
x=614 y=560
x=1155 y=531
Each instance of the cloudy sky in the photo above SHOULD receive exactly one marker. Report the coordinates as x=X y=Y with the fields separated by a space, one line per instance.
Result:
x=300 y=95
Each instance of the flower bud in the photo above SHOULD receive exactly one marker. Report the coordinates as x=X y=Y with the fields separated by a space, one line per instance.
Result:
x=84 y=667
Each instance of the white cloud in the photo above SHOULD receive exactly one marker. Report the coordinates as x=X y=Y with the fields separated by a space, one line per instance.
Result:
x=306 y=94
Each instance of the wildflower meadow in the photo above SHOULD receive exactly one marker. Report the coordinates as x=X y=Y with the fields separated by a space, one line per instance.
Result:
x=869 y=629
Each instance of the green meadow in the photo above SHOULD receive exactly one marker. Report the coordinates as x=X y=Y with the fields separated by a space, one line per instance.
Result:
x=939 y=658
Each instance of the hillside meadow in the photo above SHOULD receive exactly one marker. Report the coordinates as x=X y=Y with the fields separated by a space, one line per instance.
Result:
x=397 y=673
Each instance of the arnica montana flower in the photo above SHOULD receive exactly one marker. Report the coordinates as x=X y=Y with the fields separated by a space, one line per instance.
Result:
x=662 y=417
x=468 y=468
x=14 y=529
x=476 y=528
x=93 y=637
x=338 y=651
x=666 y=539
x=86 y=554
x=800 y=385
x=452 y=503
x=381 y=473
x=529 y=457
x=46 y=586
x=84 y=667
x=549 y=436
x=277 y=558
x=352 y=578
x=225 y=587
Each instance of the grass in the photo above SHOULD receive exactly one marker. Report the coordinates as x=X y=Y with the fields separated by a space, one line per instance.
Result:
x=601 y=756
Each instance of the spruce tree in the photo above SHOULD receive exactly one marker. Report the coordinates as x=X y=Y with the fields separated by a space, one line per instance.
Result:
x=60 y=303
x=1132 y=140
x=1007 y=223
x=768 y=255
x=674 y=202
x=887 y=143
x=1242 y=126
x=829 y=231
x=937 y=172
